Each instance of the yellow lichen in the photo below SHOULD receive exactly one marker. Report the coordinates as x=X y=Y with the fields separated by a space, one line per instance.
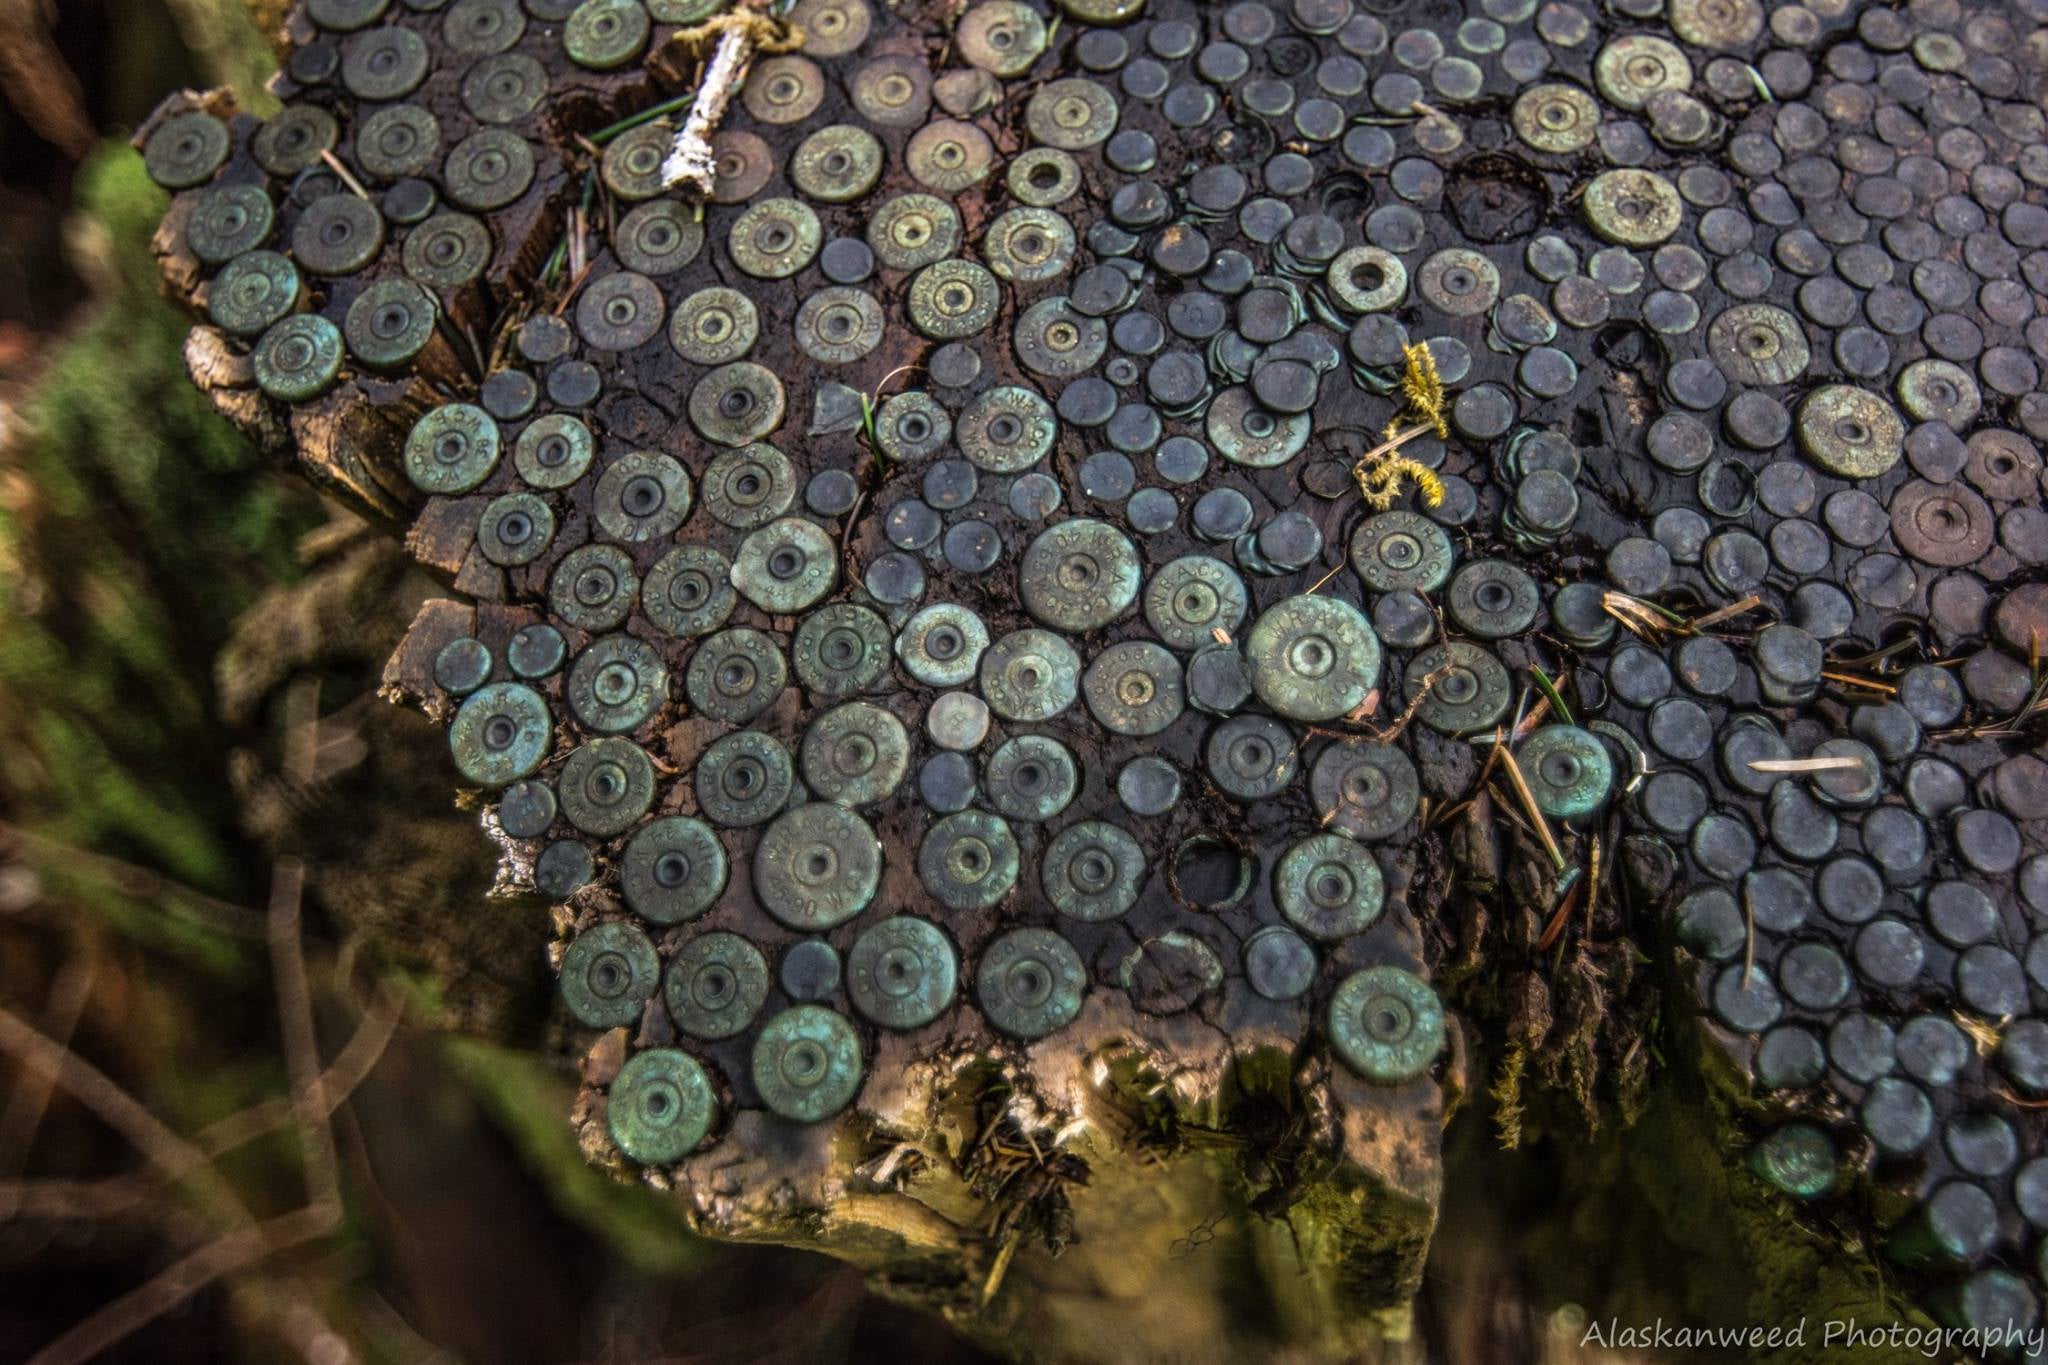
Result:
x=1380 y=470
x=1424 y=389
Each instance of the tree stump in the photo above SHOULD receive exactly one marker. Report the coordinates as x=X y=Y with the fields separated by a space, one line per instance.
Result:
x=933 y=614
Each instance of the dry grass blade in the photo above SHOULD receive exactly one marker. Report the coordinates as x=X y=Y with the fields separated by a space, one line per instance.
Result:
x=1983 y=1035
x=1645 y=619
x=1727 y=613
x=1554 y=930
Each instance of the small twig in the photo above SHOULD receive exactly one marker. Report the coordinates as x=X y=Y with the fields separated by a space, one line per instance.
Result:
x=1492 y=760
x=1327 y=577
x=1393 y=732
x=1749 y=936
x=1530 y=719
x=115 y=1194
x=57 y=1199
x=576 y=284
x=741 y=32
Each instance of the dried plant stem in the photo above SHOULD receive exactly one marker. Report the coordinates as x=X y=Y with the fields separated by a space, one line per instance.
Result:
x=232 y=1252
x=1727 y=613
x=23 y=1116
x=177 y=1158
x=994 y=1282
x=1324 y=579
x=144 y=884
x=93 y=1200
x=295 y=1022
x=118 y=1194
x=1393 y=732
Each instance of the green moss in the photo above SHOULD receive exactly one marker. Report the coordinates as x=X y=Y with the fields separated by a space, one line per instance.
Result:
x=136 y=525
x=1686 y=1158
x=1612 y=1221
x=527 y=1099
x=228 y=40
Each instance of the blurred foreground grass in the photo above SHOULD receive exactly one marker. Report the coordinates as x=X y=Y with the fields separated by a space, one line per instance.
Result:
x=136 y=528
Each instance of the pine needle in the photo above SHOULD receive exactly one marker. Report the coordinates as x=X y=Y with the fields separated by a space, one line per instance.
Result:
x=1521 y=786
x=1825 y=763
x=1550 y=694
x=1863 y=684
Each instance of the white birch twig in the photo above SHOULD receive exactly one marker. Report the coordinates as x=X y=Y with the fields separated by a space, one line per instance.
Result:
x=689 y=159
